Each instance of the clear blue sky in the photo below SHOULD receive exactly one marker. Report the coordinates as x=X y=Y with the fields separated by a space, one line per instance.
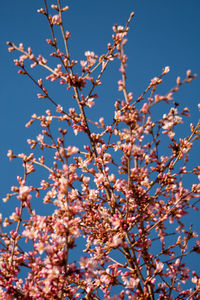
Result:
x=163 y=33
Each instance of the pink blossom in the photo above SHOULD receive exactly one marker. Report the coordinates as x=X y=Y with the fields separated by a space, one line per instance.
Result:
x=90 y=102
x=56 y=20
x=159 y=267
x=166 y=70
x=23 y=192
x=145 y=108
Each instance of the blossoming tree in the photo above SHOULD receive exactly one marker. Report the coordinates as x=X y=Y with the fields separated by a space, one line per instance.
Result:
x=120 y=194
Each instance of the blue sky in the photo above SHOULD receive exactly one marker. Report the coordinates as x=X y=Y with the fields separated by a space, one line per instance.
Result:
x=162 y=33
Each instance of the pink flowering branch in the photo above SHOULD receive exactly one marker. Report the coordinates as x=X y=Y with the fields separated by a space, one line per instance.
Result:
x=118 y=194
